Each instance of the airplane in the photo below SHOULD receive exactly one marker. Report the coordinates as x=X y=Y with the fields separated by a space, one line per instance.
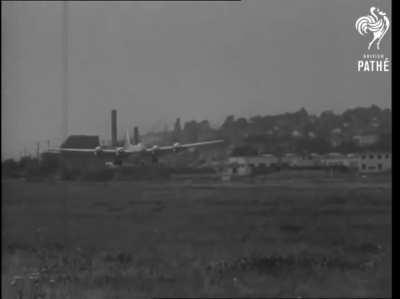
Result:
x=134 y=150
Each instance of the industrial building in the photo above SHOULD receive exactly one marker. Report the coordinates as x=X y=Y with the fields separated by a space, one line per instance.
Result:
x=78 y=161
x=87 y=161
x=375 y=162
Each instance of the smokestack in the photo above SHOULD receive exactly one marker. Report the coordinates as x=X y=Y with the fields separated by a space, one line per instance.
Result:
x=114 y=127
x=136 y=135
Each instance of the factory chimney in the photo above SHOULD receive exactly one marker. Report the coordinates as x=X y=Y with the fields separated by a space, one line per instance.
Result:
x=114 y=127
x=136 y=135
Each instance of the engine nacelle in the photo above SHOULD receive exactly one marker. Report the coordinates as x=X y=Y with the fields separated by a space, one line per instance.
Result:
x=119 y=151
x=154 y=148
x=98 y=150
x=140 y=146
x=176 y=146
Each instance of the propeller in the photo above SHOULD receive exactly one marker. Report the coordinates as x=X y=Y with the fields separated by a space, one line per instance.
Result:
x=176 y=146
x=98 y=150
x=154 y=158
x=154 y=148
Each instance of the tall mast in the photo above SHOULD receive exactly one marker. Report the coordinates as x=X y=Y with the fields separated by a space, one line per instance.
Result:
x=64 y=128
x=65 y=71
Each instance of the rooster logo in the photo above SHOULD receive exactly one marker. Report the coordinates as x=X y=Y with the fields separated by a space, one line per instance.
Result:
x=377 y=23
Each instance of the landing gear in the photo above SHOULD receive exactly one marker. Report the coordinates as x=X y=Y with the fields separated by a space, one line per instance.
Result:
x=154 y=159
x=118 y=162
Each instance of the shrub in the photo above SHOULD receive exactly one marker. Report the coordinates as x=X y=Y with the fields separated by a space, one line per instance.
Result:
x=98 y=175
x=32 y=170
x=69 y=174
x=49 y=163
x=193 y=170
x=10 y=168
x=144 y=172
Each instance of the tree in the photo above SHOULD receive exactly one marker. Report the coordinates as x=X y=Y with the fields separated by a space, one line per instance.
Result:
x=241 y=123
x=190 y=131
x=229 y=122
x=204 y=130
x=9 y=167
x=177 y=130
x=49 y=162
x=24 y=162
x=245 y=150
x=348 y=147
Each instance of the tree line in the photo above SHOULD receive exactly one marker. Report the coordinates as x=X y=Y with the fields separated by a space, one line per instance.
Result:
x=299 y=131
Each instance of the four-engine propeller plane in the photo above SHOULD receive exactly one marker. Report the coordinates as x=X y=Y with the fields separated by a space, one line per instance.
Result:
x=135 y=150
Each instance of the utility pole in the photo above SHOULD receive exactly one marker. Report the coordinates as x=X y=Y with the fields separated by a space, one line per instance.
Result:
x=106 y=129
x=65 y=71
x=64 y=196
x=38 y=150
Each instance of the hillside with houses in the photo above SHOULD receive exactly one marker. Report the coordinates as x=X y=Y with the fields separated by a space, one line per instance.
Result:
x=354 y=130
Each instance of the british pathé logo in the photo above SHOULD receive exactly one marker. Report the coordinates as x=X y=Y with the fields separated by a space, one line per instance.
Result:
x=375 y=25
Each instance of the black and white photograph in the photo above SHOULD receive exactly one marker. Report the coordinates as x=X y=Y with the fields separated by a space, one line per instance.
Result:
x=196 y=149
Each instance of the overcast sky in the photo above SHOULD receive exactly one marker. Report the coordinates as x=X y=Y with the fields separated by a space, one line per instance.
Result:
x=156 y=61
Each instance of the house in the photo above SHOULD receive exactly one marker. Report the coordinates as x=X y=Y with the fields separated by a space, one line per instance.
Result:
x=352 y=161
x=296 y=134
x=374 y=162
x=294 y=160
x=337 y=159
x=289 y=159
x=336 y=131
x=336 y=140
x=366 y=139
x=245 y=165
x=374 y=123
x=311 y=135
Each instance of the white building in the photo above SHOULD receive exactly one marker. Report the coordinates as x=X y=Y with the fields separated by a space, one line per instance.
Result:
x=296 y=133
x=311 y=134
x=242 y=166
x=337 y=159
x=289 y=159
x=336 y=131
x=375 y=162
x=294 y=160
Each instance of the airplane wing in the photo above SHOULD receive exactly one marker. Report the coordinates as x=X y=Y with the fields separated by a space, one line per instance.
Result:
x=80 y=150
x=152 y=151
x=180 y=147
x=190 y=145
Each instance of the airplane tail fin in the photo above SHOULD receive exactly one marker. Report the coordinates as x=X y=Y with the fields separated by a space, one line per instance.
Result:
x=127 y=139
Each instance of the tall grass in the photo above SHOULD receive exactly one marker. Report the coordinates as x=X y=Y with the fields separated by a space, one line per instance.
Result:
x=138 y=239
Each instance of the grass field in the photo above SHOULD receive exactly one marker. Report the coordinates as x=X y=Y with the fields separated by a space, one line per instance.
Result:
x=284 y=237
